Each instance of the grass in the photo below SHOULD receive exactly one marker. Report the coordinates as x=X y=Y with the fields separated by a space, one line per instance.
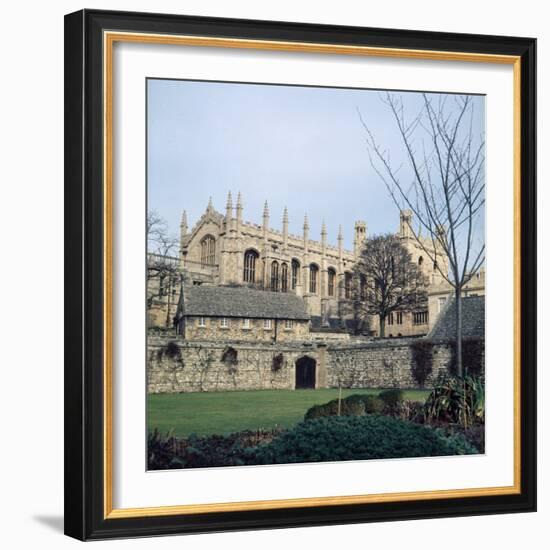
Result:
x=226 y=412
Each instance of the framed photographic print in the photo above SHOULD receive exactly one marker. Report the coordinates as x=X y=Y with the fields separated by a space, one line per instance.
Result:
x=300 y=274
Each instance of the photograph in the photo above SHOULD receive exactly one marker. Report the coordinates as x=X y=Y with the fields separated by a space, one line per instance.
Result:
x=315 y=274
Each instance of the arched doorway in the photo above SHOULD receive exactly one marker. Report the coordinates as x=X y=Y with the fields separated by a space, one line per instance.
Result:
x=305 y=373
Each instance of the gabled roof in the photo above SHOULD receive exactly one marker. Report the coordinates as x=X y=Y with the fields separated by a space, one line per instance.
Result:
x=226 y=301
x=473 y=319
x=209 y=215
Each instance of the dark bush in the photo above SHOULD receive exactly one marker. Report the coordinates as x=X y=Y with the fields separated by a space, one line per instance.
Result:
x=277 y=363
x=229 y=356
x=422 y=360
x=323 y=439
x=391 y=397
x=475 y=435
x=170 y=350
x=168 y=452
x=358 y=438
x=160 y=450
x=372 y=403
x=353 y=405
x=472 y=357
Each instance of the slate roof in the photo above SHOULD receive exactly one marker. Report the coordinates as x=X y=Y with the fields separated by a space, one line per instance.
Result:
x=225 y=301
x=473 y=319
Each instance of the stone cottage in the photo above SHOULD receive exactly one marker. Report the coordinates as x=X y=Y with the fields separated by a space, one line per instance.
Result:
x=240 y=314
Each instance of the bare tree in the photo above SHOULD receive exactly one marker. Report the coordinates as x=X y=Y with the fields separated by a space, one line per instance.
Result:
x=162 y=263
x=442 y=181
x=387 y=279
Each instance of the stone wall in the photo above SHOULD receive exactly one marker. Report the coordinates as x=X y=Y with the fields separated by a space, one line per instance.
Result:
x=179 y=366
x=175 y=365
x=383 y=364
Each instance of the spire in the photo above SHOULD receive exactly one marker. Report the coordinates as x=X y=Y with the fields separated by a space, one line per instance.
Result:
x=306 y=234
x=340 y=242
x=228 y=212
x=323 y=234
x=239 y=211
x=285 y=215
x=183 y=223
x=266 y=216
x=285 y=225
x=340 y=236
x=183 y=228
x=210 y=207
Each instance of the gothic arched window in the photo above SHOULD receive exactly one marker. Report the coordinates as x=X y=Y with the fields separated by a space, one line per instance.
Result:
x=250 y=257
x=208 y=251
x=284 y=277
x=313 y=276
x=331 y=281
x=420 y=260
x=347 y=285
x=275 y=275
x=295 y=274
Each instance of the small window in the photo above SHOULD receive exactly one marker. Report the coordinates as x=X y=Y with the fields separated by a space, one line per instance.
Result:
x=390 y=319
x=331 y=282
x=400 y=318
x=289 y=324
x=313 y=276
x=208 y=251
x=275 y=275
x=224 y=323
x=267 y=324
x=246 y=323
x=284 y=277
x=420 y=318
x=250 y=260
x=202 y=322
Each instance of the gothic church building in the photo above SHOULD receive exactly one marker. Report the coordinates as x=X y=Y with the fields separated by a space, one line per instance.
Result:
x=225 y=250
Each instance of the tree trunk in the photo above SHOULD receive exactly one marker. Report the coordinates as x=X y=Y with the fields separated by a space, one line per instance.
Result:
x=382 y=326
x=458 y=320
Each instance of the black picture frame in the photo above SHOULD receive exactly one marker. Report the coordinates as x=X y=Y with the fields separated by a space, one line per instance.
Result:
x=84 y=276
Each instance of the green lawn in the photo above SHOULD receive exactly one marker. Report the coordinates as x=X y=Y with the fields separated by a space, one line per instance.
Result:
x=226 y=412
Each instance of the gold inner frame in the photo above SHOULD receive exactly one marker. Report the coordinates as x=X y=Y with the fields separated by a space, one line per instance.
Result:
x=109 y=39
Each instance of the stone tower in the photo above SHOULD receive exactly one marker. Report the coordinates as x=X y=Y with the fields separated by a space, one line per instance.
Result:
x=405 y=224
x=360 y=236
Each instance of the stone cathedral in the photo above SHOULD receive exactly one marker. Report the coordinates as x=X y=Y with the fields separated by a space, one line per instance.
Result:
x=222 y=249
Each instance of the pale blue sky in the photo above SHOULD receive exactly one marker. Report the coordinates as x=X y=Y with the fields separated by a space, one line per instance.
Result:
x=300 y=147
